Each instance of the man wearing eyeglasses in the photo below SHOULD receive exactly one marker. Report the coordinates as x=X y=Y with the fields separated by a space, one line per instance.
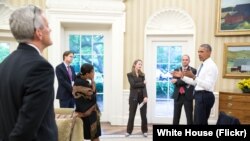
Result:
x=26 y=90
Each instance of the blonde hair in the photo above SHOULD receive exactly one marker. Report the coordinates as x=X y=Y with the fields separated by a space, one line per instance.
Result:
x=133 y=68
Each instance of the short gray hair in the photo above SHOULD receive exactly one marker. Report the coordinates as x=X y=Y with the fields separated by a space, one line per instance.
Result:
x=207 y=46
x=24 y=21
x=186 y=55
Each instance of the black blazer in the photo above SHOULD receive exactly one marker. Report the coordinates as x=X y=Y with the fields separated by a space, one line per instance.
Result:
x=136 y=86
x=188 y=89
x=27 y=97
x=64 y=90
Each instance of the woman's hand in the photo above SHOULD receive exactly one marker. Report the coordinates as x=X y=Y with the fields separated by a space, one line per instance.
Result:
x=173 y=80
x=145 y=100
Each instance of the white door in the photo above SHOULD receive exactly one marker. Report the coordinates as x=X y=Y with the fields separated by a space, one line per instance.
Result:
x=165 y=55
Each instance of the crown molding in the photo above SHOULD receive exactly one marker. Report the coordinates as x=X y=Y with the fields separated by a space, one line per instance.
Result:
x=170 y=21
x=5 y=12
x=87 y=5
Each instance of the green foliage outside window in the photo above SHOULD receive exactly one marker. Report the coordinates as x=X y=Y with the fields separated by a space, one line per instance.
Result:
x=4 y=51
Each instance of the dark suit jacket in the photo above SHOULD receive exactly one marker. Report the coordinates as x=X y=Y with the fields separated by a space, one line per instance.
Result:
x=64 y=90
x=136 y=86
x=27 y=97
x=179 y=83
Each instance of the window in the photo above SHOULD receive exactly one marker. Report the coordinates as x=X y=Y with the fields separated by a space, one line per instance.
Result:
x=168 y=59
x=89 y=49
x=4 y=51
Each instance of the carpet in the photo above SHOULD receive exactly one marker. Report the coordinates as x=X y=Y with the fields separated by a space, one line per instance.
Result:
x=123 y=138
x=117 y=133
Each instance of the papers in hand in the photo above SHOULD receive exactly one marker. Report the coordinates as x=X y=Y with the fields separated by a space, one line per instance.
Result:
x=141 y=104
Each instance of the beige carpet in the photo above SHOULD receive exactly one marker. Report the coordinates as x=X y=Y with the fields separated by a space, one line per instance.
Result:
x=108 y=129
x=123 y=138
x=117 y=133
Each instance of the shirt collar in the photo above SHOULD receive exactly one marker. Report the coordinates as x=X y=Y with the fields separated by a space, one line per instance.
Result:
x=206 y=61
x=66 y=65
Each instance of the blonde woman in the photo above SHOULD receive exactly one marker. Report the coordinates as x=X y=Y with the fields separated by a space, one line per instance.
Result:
x=138 y=95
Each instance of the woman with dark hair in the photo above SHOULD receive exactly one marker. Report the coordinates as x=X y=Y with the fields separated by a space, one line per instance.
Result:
x=84 y=91
x=138 y=95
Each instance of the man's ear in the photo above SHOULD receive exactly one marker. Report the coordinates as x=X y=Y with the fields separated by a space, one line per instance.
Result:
x=38 y=34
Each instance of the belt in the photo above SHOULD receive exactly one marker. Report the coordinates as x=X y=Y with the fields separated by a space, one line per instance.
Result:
x=202 y=91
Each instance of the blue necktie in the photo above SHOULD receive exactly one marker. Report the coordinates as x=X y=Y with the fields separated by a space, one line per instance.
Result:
x=199 y=70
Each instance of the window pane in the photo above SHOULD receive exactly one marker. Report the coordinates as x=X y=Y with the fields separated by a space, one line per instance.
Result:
x=99 y=87
x=4 y=51
x=98 y=44
x=161 y=89
x=100 y=101
x=161 y=54
x=74 y=43
x=161 y=72
x=175 y=54
x=76 y=63
x=98 y=63
x=86 y=59
x=86 y=44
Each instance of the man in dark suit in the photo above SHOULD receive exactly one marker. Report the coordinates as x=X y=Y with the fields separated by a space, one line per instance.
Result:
x=65 y=76
x=26 y=90
x=183 y=94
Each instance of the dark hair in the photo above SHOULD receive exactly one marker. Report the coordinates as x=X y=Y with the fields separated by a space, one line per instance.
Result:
x=66 y=53
x=86 y=68
x=207 y=46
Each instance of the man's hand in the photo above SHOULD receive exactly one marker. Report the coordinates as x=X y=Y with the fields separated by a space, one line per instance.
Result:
x=189 y=74
x=145 y=100
x=178 y=74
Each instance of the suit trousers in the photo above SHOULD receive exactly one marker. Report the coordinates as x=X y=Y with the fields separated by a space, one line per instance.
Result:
x=204 y=101
x=67 y=103
x=188 y=106
x=133 y=103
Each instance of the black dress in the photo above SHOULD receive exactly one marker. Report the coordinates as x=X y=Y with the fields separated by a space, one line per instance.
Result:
x=91 y=122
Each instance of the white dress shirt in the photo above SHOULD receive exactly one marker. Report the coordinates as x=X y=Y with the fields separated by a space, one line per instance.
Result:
x=207 y=76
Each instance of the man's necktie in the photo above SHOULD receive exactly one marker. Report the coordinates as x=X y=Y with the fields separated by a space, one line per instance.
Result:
x=69 y=72
x=182 y=90
x=199 y=70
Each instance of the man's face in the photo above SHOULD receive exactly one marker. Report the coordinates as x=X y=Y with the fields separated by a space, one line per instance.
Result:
x=69 y=58
x=203 y=53
x=46 y=39
x=185 y=61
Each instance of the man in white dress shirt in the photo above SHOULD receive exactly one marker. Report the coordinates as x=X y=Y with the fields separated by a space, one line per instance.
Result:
x=204 y=82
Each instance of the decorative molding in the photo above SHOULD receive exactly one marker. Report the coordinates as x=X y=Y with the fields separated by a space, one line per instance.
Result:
x=87 y=5
x=172 y=21
x=5 y=12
